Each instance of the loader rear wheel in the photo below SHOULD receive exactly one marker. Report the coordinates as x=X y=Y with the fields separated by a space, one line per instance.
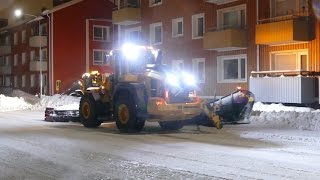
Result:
x=125 y=114
x=171 y=125
x=88 y=116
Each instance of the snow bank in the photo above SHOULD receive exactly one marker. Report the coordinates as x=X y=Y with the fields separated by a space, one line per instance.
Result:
x=61 y=102
x=278 y=115
x=13 y=103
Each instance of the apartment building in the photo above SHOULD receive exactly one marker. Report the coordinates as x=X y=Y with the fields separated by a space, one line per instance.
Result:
x=213 y=39
x=57 y=43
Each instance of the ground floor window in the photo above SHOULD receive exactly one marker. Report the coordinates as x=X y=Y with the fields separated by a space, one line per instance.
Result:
x=99 y=57
x=198 y=65
x=177 y=65
x=289 y=60
x=232 y=68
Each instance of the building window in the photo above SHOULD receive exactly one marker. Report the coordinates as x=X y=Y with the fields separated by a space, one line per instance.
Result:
x=288 y=7
x=23 y=58
x=15 y=60
x=15 y=81
x=233 y=17
x=133 y=35
x=32 y=80
x=23 y=81
x=155 y=2
x=198 y=66
x=44 y=54
x=7 y=61
x=7 y=40
x=156 y=33
x=43 y=29
x=24 y=36
x=232 y=69
x=7 y=81
x=44 y=80
x=197 y=26
x=101 y=33
x=32 y=55
x=177 y=27
x=99 y=57
x=15 y=38
x=177 y=65
x=293 y=60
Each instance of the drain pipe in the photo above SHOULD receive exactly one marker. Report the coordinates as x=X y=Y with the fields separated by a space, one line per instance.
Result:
x=258 y=47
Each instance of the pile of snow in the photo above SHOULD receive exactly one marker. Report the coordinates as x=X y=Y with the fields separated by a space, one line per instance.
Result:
x=59 y=102
x=278 y=116
x=13 y=103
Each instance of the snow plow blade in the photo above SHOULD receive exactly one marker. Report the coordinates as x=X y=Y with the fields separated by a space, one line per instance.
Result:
x=53 y=115
x=233 y=108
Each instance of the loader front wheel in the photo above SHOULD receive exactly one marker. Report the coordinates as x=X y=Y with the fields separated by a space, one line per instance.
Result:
x=171 y=125
x=125 y=114
x=88 y=116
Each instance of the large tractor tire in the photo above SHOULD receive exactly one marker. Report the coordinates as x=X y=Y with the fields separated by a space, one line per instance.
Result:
x=171 y=125
x=125 y=114
x=87 y=112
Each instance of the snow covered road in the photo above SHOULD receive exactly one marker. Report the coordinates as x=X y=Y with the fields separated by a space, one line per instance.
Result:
x=33 y=149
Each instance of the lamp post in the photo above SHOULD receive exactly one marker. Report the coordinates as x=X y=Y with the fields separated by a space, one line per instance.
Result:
x=19 y=13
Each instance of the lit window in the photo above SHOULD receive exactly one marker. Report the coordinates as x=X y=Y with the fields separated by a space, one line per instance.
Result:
x=33 y=56
x=15 y=38
x=101 y=33
x=23 y=80
x=232 y=69
x=23 y=58
x=156 y=33
x=197 y=26
x=15 y=81
x=198 y=65
x=155 y=2
x=24 y=38
x=32 y=80
x=99 y=57
x=177 y=27
x=294 y=60
x=233 y=17
x=44 y=54
x=15 y=60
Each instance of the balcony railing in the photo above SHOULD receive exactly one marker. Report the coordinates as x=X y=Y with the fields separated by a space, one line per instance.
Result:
x=38 y=41
x=292 y=86
x=286 y=16
x=5 y=48
x=128 y=12
x=38 y=65
x=5 y=69
x=225 y=38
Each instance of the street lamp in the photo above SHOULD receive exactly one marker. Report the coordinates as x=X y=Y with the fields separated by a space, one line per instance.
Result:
x=19 y=13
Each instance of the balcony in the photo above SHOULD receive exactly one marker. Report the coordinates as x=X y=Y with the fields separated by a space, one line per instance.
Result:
x=289 y=87
x=225 y=39
x=5 y=49
x=38 y=41
x=218 y=2
x=285 y=30
x=37 y=65
x=129 y=13
x=5 y=69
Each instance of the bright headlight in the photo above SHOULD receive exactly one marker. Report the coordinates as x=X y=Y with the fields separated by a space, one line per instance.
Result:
x=172 y=79
x=130 y=51
x=189 y=79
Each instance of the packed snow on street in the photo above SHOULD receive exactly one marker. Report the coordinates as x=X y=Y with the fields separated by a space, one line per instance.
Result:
x=281 y=142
